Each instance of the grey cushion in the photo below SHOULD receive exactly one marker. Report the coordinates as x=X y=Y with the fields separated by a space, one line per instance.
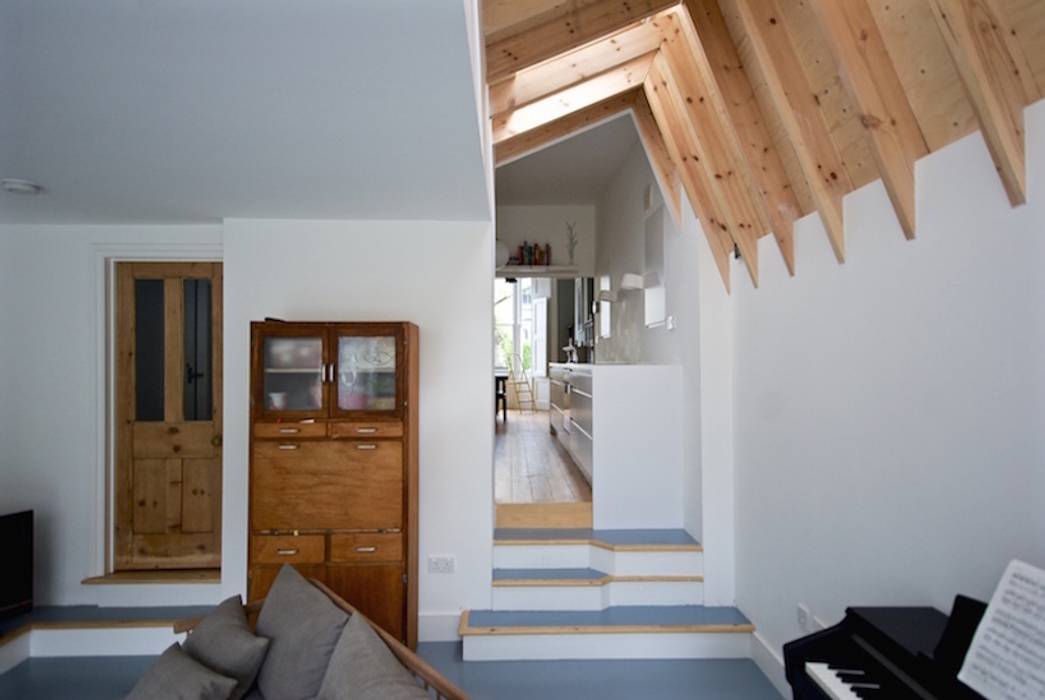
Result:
x=223 y=642
x=363 y=668
x=176 y=676
x=303 y=627
x=254 y=694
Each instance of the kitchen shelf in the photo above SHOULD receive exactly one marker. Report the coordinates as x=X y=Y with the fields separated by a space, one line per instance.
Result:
x=563 y=271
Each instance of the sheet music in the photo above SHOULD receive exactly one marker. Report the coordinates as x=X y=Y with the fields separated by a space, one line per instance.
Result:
x=1006 y=660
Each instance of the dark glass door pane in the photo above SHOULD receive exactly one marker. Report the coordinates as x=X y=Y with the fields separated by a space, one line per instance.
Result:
x=198 y=369
x=148 y=349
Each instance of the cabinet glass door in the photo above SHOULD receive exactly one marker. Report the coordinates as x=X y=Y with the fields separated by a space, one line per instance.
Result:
x=293 y=374
x=368 y=377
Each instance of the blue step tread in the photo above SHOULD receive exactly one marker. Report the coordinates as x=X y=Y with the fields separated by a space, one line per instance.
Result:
x=57 y=615
x=548 y=574
x=615 y=538
x=663 y=616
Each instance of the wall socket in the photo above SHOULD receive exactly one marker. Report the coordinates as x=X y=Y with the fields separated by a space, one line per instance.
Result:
x=804 y=616
x=440 y=565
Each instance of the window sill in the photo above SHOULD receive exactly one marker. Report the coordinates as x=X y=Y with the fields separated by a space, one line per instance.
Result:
x=152 y=576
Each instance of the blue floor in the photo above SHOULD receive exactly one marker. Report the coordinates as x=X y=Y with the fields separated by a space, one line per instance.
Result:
x=611 y=537
x=547 y=574
x=615 y=615
x=112 y=677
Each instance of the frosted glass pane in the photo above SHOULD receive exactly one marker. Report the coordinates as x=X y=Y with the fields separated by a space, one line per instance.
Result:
x=366 y=376
x=293 y=369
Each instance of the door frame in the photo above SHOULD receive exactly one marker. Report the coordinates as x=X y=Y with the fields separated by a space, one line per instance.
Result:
x=102 y=275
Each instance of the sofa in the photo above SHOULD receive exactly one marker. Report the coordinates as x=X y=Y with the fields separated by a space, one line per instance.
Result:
x=302 y=642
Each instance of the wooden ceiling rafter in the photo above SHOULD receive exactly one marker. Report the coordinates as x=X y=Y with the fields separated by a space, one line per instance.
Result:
x=572 y=68
x=761 y=111
x=997 y=78
x=706 y=26
x=692 y=175
x=614 y=81
x=872 y=82
x=711 y=143
x=797 y=108
x=571 y=25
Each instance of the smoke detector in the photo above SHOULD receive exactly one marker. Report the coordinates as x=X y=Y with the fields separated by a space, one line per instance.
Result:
x=16 y=186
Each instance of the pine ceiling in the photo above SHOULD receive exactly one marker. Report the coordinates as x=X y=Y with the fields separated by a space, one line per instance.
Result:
x=763 y=111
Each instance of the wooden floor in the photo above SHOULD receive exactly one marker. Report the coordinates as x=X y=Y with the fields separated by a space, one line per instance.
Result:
x=531 y=466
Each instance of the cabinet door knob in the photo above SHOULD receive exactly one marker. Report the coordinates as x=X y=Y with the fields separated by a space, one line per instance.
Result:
x=216 y=441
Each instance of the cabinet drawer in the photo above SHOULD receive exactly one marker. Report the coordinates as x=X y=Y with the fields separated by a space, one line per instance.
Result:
x=580 y=411
x=289 y=431
x=362 y=430
x=327 y=485
x=581 y=381
x=282 y=549
x=366 y=547
x=581 y=449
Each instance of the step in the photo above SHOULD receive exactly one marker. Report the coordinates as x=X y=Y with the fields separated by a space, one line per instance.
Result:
x=589 y=589
x=619 y=632
x=615 y=552
x=540 y=515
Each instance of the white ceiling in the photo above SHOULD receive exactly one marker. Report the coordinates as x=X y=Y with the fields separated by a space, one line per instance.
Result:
x=574 y=171
x=160 y=110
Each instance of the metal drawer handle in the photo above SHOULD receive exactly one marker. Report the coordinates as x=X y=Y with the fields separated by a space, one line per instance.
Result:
x=286 y=552
x=366 y=550
x=367 y=431
x=366 y=446
x=289 y=431
x=288 y=447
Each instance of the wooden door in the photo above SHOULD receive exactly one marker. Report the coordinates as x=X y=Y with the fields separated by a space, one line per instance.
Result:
x=168 y=416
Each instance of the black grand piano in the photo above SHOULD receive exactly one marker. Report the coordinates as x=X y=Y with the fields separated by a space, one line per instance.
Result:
x=893 y=653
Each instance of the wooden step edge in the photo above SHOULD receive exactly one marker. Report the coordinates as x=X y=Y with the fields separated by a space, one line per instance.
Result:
x=465 y=630
x=582 y=582
x=13 y=634
x=602 y=545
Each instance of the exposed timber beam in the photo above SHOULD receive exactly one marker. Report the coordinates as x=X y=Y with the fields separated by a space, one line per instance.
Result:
x=997 y=80
x=659 y=157
x=572 y=68
x=799 y=113
x=870 y=78
x=683 y=70
x=764 y=169
x=548 y=133
x=621 y=79
x=580 y=22
x=693 y=175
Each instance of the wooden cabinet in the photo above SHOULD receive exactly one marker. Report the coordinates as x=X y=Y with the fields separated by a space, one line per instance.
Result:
x=333 y=473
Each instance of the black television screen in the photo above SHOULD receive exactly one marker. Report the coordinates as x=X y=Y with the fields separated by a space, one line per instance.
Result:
x=16 y=584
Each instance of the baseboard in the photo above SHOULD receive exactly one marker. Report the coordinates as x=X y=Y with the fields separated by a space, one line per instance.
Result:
x=438 y=627
x=124 y=641
x=770 y=663
x=14 y=651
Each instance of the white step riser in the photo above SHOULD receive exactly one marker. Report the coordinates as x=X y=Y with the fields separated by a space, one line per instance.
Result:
x=598 y=597
x=618 y=563
x=511 y=647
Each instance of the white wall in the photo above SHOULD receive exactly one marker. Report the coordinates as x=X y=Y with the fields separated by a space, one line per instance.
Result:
x=51 y=281
x=547 y=224
x=620 y=248
x=436 y=274
x=889 y=412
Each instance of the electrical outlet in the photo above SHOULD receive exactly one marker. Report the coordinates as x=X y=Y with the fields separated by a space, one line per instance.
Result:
x=804 y=616
x=440 y=565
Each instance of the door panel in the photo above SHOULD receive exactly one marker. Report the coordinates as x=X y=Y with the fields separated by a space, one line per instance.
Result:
x=168 y=410
x=377 y=591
